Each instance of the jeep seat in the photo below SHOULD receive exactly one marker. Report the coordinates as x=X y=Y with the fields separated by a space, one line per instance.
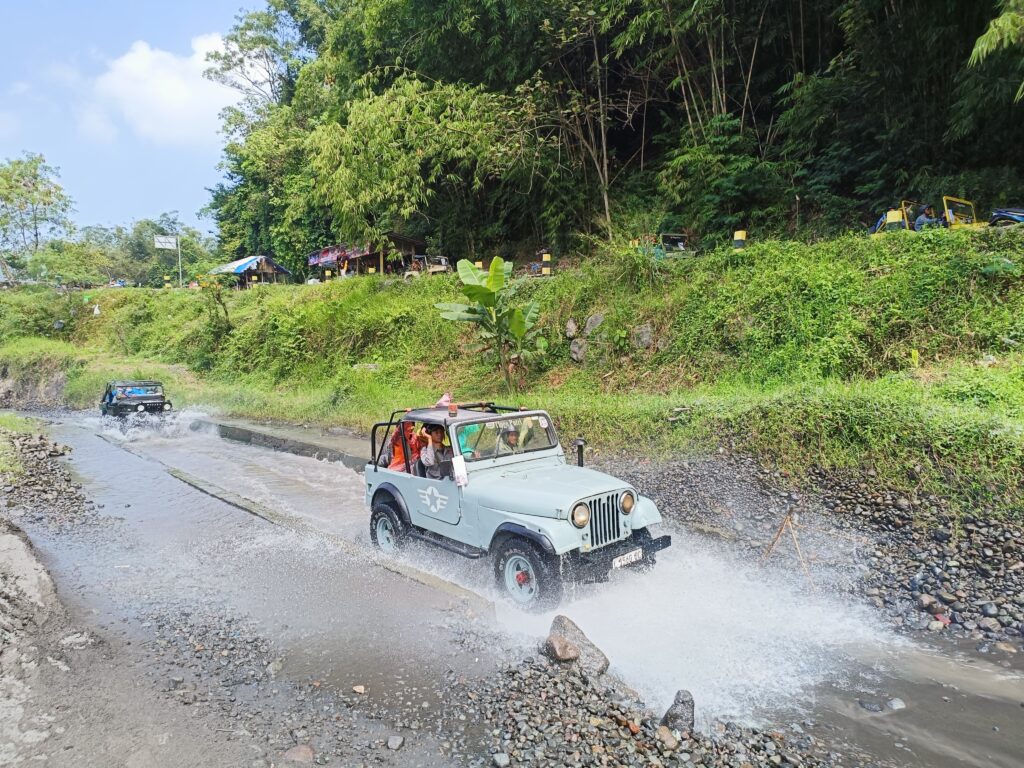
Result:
x=419 y=469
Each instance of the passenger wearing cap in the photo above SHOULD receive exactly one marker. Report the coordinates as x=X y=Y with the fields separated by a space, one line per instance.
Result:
x=435 y=453
x=926 y=219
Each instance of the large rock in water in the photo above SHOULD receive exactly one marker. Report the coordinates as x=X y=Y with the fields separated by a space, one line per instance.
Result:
x=564 y=632
x=679 y=716
x=560 y=648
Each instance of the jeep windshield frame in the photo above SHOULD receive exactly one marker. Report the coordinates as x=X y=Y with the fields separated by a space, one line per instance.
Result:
x=489 y=438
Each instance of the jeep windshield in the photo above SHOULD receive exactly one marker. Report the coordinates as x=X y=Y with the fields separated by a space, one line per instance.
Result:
x=140 y=391
x=494 y=438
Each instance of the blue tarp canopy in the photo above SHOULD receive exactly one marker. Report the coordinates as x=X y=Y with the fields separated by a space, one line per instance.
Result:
x=249 y=262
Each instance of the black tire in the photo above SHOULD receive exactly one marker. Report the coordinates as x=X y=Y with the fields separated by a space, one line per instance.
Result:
x=381 y=516
x=643 y=538
x=542 y=586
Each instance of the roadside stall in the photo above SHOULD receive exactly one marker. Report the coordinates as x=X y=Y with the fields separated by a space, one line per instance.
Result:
x=345 y=260
x=254 y=270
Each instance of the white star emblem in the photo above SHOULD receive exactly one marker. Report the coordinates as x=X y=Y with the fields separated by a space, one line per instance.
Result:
x=433 y=500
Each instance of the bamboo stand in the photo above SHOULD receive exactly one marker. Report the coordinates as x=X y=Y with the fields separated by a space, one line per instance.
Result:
x=787 y=522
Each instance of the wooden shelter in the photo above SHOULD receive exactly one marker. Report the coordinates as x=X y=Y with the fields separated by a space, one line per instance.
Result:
x=254 y=270
x=347 y=260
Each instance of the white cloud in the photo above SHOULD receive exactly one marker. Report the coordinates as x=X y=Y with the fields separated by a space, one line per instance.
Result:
x=159 y=95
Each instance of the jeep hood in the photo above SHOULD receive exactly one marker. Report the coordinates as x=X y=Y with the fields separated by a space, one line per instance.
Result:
x=546 y=491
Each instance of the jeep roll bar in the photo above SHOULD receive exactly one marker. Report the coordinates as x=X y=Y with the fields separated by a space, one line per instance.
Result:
x=395 y=418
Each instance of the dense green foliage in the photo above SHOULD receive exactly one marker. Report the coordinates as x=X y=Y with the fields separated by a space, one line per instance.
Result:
x=504 y=125
x=899 y=353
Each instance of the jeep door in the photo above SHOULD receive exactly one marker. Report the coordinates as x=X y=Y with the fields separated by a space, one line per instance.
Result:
x=435 y=500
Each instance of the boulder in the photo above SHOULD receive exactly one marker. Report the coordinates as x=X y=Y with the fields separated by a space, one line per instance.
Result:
x=560 y=648
x=578 y=350
x=679 y=716
x=592 y=662
x=592 y=324
x=642 y=336
x=571 y=329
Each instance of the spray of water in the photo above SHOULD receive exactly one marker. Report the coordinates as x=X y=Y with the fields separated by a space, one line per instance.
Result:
x=749 y=642
x=144 y=427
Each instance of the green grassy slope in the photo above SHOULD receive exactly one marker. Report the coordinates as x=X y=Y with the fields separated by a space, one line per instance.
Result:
x=898 y=353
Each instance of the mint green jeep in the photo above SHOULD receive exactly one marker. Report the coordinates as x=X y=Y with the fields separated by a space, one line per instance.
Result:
x=502 y=487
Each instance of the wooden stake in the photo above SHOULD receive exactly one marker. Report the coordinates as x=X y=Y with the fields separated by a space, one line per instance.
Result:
x=787 y=522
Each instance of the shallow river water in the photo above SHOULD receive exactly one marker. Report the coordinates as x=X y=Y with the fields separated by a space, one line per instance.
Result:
x=754 y=645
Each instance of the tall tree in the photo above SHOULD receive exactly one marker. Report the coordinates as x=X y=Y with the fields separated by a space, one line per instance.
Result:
x=33 y=209
x=1006 y=31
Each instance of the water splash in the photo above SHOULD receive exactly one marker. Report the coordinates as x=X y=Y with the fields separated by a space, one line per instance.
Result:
x=143 y=427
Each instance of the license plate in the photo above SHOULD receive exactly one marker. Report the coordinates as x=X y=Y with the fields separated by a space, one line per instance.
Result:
x=630 y=557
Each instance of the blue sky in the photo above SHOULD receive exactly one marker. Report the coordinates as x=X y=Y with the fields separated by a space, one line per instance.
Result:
x=112 y=93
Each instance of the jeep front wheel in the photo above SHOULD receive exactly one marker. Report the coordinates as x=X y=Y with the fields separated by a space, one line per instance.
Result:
x=526 y=576
x=387 y=531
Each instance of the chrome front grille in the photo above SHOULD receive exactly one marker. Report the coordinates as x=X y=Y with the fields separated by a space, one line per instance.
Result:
x=604 y=520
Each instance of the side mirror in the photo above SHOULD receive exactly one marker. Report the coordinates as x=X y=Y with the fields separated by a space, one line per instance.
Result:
x=578 y=443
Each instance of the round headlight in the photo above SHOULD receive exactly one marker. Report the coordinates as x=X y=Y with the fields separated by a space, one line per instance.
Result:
x=626 y=502
x=580 y=515
x=140 y=408
x=167 y=406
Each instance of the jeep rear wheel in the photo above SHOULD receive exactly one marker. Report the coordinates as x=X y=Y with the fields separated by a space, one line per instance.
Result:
x=387 y=531
x=526 y=576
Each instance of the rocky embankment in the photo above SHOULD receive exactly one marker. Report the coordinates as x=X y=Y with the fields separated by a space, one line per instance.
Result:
x=26 y=603
x=43 y=491
x=563 y=708
x=907 y=554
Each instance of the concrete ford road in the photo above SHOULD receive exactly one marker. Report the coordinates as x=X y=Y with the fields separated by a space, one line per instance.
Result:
x=124 y=398
x=494 y=480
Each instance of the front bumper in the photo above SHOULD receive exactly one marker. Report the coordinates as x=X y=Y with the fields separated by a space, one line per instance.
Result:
x=597 y=565
x=133 y=409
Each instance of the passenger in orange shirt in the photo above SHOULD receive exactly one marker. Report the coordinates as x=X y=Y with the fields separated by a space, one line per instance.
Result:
x=415 y=442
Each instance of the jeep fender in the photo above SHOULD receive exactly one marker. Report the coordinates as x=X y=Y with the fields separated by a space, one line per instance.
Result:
x=645 y=514
x=388 y=492
x=554 y=536
x=515 y=529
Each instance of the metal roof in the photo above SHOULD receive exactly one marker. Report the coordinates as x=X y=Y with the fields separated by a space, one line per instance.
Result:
x=135 y=383
x=249 y=262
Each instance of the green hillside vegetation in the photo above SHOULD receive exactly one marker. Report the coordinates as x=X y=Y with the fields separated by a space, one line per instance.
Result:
x=899 y=354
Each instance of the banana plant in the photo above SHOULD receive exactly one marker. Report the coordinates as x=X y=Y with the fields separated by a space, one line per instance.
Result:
x=507 y=330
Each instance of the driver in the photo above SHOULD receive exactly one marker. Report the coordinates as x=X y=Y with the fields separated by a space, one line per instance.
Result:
x=510 y=440
x=926 y=219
